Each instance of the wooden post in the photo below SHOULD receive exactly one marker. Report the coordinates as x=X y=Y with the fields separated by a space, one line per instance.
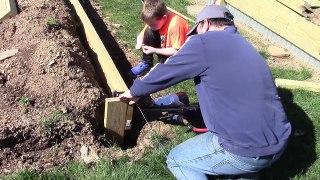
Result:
x=116 y=113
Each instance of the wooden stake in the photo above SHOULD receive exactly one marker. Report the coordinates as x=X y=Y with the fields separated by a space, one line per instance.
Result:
x=116 y=113
x=115 y=118
x=292 y=84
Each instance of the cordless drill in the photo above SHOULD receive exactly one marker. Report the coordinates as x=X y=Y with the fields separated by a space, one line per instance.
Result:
x=173 y=99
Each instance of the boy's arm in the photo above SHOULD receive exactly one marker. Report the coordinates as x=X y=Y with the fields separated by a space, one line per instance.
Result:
x=161 y=51
x=139 y=41
x=140 y=38
x=176 y=37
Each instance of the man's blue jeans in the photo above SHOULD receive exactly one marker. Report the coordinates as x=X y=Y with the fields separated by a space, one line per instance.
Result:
x=202 y=155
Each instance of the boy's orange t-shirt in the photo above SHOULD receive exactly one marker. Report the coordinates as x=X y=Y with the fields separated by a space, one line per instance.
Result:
x=174 y=32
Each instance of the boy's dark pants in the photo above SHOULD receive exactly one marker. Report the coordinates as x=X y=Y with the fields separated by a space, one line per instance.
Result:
x=152 y=38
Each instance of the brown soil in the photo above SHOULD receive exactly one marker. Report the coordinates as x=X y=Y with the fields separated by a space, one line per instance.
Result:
x=51 y=99
x=49 y=93
x=51 y=102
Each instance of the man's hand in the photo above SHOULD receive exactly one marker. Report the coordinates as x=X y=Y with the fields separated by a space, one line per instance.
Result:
x=139 y=42
x=148 y=49
x=127 y=97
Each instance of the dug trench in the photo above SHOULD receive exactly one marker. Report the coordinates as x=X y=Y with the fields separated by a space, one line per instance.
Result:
x=143 y=124
x=122 y=63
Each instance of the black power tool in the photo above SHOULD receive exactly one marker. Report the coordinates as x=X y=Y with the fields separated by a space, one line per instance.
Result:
x=174 y=106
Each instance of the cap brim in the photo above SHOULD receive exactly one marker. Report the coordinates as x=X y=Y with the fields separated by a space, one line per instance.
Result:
x=193 y=30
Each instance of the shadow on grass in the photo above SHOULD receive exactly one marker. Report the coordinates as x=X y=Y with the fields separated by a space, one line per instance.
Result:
x=300 y=153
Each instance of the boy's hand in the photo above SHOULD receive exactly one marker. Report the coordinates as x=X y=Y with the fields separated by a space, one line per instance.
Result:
x=149 y=49
x=126 y=96
x=139 y=41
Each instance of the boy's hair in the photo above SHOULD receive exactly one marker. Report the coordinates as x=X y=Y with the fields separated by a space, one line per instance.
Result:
x=153 y=9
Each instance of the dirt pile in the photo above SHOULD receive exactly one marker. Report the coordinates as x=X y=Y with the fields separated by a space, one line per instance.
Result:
x=50 y=101
x=48 y=91
x=51 y=104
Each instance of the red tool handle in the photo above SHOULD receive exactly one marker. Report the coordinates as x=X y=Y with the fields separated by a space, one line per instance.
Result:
x=200 y=130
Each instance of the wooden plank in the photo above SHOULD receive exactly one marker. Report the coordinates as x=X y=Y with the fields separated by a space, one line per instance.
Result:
x=115 y=113
x=292 y=84
x=284 y=22
x=109 y=69
x=220 y=2
x=295 y=5
x=8 y=8
x=217 y=2
x=313 y=3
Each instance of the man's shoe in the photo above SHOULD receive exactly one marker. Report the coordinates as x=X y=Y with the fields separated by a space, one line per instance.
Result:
x=139 y=69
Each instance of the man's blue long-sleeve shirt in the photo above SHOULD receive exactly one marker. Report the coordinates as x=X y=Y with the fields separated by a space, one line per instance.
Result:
x=236 y=92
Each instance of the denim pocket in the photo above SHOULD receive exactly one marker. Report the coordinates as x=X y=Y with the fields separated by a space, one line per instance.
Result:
x=250 y=164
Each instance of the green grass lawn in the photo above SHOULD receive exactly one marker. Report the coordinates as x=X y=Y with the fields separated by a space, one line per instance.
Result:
x=299 y=75
x=299 y=161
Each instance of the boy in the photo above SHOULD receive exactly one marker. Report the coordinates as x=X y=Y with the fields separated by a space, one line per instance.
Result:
x=163 y=35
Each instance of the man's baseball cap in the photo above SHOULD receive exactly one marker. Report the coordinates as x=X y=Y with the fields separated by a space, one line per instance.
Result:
x=211 y=12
